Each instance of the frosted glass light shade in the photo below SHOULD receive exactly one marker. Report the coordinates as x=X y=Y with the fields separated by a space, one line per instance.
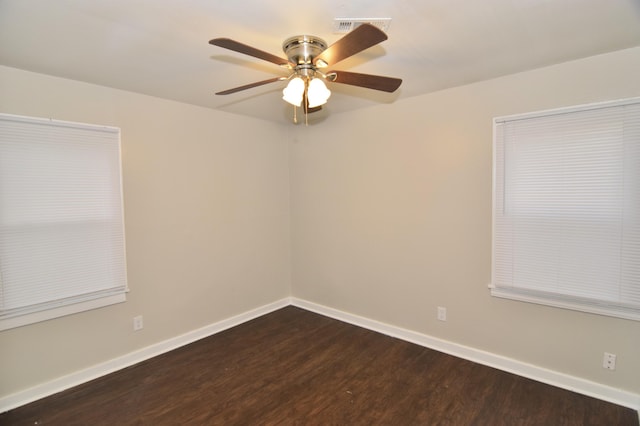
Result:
x=294 y=91
x=317 y=93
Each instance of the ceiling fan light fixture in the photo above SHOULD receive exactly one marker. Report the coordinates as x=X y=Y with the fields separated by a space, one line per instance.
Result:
x=294 y=92
x=306 y=56
x=317 y=93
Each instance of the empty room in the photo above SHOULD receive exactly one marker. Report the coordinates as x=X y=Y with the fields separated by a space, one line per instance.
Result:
x=392 y=212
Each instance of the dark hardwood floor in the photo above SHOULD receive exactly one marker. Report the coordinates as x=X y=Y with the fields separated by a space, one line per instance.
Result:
x=296 y=367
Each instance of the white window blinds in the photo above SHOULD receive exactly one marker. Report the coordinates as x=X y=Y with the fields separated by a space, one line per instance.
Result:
x=61 y=220
x=566 y=226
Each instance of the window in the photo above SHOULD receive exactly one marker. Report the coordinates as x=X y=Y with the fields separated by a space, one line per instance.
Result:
x=566 y=214
x=61 y=220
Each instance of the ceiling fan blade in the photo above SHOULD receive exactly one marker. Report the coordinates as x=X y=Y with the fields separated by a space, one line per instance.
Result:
x=375 y=82
x=363 y=37
x=251 y=85
x=236 y=46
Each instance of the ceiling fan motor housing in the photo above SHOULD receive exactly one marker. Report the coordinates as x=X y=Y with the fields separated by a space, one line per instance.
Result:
x=302 y=50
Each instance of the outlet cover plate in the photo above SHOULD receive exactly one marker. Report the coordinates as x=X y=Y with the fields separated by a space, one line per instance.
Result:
x=609 y=361
x=442 y=313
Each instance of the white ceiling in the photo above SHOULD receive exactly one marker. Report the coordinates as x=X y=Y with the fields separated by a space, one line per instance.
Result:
x=160 y=47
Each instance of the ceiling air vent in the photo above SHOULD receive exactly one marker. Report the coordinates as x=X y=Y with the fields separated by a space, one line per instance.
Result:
x=345 y=25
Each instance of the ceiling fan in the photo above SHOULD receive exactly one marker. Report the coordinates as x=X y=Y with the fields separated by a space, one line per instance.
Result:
x=307 y=57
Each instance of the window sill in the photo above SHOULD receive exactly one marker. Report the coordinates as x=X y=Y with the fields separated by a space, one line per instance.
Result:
x=31 y=318
x=565 y=302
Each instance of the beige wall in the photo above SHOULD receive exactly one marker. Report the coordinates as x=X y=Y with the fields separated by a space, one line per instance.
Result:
x=207 y=224
x=391 y=217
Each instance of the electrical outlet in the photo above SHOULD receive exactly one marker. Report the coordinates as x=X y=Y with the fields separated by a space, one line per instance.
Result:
x=442 y=313
x=609 y=361
x=137 y=323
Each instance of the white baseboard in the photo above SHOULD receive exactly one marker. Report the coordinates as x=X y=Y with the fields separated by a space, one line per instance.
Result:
x=46 y=389
x=554 y=378
x=561 y=380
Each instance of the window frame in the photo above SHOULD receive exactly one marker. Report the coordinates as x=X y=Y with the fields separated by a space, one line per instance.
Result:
x=565 y=301
x=90 y=297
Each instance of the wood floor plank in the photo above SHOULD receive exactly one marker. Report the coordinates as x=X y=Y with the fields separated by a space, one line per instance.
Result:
x=295 y=367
